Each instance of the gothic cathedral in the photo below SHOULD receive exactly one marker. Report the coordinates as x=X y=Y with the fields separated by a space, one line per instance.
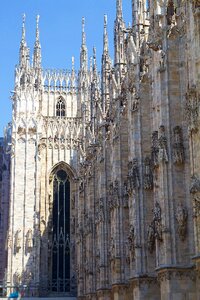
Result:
x=100 y=172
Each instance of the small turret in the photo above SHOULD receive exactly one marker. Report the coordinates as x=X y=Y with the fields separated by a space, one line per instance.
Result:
x=37 y=47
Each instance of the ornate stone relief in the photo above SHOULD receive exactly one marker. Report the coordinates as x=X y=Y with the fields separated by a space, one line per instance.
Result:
x=163 y=155
x=155 y=149
x=148 y=174
x=178 y=148
x=181 y=218
x=17 y=242
x=17 y=277
x=192 y=109
x=155 y=35
x=133 y=175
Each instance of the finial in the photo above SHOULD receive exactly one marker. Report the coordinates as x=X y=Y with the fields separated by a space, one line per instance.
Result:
x=94 y=52
x=105 y=21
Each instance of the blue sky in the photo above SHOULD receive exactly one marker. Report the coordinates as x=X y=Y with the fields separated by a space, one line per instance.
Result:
x=60 y=35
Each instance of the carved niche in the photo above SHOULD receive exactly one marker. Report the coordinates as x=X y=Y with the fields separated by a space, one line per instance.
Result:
x=181 y=218
x=192 y=109
x=148 y=174
x=133 y=176
x=163 y=156
x=178 y=148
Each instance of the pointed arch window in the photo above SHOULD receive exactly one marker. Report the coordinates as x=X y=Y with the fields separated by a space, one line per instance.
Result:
x=60 y=108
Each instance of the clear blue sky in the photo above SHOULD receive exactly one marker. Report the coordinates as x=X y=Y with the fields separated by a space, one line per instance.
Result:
x=60 y=35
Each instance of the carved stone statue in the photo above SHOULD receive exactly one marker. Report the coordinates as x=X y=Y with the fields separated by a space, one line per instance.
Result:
x=192 y=109
x=157 y=221
x=151 y=237
x=195 y=185
x=29 y=240
x=148 y=175
x=181 y=217
x=125 y=195
x=155 y=149
x=17 y=241
x=131 y=240
x=163 y=156
x=178 y=148
x=133 y=175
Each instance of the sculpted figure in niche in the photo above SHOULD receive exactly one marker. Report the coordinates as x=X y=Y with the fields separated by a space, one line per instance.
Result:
x=155 y=149
x=181 y=217
x=163 y=156
x=157 y=221
x=151 y=237
x=178 y=148
x=17 y=241
x=125 y=195
x=29 y=240
x=133 y=175
x=131 y=240
x=148 y=175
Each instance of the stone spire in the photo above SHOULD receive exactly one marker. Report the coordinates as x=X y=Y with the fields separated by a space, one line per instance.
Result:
x=119 y=38
x=37 y=47
x=105 y=68
x=119 y=9
x=24 y=51
x=105 y=37
x=83 y=56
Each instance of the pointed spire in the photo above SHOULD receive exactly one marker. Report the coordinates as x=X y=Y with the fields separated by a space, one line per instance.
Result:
x=24 y=51
x=83 y=32
x=105 y=36
x=23 y=40
x=37 y=47
x=73 y=74
x=94 y=62
x=83 y=56
x=119 y=9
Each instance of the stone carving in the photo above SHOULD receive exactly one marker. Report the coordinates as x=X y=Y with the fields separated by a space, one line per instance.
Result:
x=131 y=240
x=133 y=175
x=81 y=186
x=195 y=185
x=181 y=217
x=135 y=103
x=196 y=4
x=192 y=109
x=151 y=237
x=125 y=195
x=17 y=243
x=157 y=221
x=148 y=175
x=88 y=224
x=163 y=156
x=178 y=148
x=73 y=225
x=29 y=240
x=155 y=149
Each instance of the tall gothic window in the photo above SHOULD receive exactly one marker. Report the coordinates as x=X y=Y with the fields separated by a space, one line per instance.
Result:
x=60 y=108
x=60 y=255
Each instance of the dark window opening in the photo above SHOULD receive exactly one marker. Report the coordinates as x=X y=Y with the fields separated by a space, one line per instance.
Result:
x=60 y=108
